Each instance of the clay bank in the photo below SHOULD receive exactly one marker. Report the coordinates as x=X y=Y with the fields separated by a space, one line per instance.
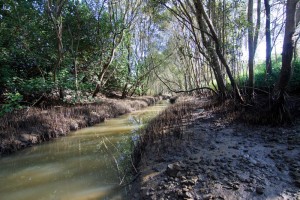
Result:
x=32 y=126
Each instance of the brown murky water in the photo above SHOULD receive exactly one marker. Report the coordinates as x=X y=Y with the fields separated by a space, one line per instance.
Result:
x=81 y=166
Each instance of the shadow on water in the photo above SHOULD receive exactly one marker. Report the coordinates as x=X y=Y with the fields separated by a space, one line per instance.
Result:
x=88 y=164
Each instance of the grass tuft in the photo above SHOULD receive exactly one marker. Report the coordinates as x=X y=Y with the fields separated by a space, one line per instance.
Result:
x=165 y=129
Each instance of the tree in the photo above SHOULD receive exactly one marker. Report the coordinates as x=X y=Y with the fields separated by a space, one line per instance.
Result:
x=252 y=39
x=201 y=11
x=288 y=46
x=26 y=47
x=204 y=28
x=54 y=9
x=268 y=38
x=120 y=16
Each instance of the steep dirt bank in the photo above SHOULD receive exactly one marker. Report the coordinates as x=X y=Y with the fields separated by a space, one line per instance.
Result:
x=217 y=159
x=25 y=128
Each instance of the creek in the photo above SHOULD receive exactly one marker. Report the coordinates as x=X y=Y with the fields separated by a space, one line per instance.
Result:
x=87 y=164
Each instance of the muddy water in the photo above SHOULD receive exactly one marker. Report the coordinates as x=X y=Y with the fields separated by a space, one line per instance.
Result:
x=83 y=165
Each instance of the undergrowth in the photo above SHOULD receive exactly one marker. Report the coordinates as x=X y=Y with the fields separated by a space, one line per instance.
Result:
x=263 y=112
x=267 y=83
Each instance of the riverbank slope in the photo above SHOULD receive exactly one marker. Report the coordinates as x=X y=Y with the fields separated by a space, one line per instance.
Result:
x=212 y=156
x=28 y=127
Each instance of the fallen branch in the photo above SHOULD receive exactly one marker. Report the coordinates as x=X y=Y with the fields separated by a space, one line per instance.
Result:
x=185 y=91
x=257 y=89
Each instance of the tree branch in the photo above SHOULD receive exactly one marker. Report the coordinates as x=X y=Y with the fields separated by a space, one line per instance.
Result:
x=184 y=91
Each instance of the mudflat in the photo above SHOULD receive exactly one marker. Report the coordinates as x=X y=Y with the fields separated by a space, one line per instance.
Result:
x=221 y=159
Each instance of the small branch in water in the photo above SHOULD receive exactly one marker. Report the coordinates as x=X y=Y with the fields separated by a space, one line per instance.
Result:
x=115 y=161
x=121 y=182
x=111 y=143
x=131 y=160
x=120 y=174
x=132 y=180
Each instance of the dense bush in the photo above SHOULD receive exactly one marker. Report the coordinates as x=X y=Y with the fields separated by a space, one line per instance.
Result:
x=12 y=102
x=265 y=82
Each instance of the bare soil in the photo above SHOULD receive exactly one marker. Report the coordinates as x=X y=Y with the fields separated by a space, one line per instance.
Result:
x=24 y=128
x=217 y=158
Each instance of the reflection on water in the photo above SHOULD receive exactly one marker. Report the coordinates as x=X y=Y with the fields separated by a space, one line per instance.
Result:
x=76 y=167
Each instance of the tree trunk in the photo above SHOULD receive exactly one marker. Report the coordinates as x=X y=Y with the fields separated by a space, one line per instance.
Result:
x=252 y=40
x=201 y=12
x=100 y=79
x=214 y=61
x=60 y=54
x=268 y=38
x=250 y=44
x=55 y=13
x=125 y=88
x=288 y=46
x=116 y=42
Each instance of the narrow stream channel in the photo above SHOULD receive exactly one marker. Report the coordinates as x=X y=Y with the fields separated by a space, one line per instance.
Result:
x=80 y=166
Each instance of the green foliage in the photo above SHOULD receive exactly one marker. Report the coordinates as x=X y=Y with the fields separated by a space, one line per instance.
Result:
x=92 y=37
x=294 y=84
x=261 y=80
x=12 y=102
x=36 y=85
x=269 y=82
x=6 y=75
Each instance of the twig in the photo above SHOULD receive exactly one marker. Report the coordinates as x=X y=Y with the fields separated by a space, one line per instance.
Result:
x=34 y=103
x=257 y=89
x=133 y=179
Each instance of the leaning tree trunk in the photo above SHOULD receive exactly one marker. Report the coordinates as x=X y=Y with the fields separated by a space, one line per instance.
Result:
x=214 y=61
x=200 y=11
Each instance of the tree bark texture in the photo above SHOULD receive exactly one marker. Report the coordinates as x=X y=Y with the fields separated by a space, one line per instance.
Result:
x=252 y=38
x=268 y=38
x=201 y=14
x=214 y=61
x=288 y=45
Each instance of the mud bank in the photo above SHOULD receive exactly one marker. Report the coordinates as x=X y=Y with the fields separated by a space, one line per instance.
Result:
x=25 y=128
x=215 y=158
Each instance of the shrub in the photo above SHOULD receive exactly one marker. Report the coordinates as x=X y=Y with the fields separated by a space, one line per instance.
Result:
x=12 y=102
x=265 y=82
